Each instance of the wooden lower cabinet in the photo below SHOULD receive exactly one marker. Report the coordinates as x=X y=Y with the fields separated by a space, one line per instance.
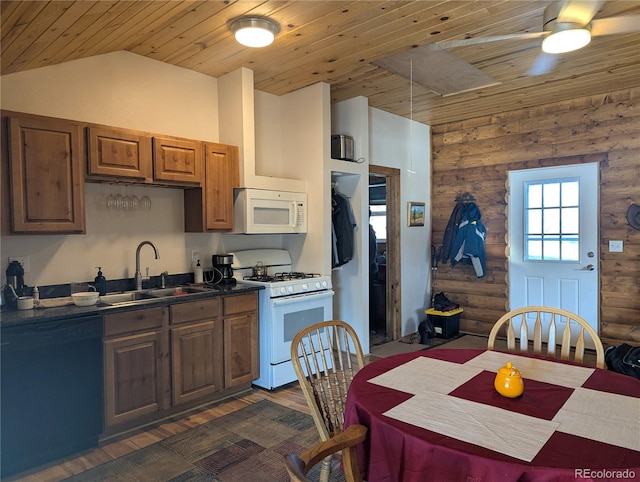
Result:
x=161 y=360
x=196 y=356
x=135 y=383
x=241 y=356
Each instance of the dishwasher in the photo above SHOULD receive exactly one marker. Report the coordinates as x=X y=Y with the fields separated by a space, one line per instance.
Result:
x=51 y=391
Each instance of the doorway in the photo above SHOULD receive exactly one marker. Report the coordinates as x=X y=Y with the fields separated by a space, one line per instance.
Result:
x=553 y=232
x=384 y=287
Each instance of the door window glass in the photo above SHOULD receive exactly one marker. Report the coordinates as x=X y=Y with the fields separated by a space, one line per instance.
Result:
x=551 y=213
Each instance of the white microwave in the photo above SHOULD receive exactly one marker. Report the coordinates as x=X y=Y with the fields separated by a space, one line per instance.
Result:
x=261 y=211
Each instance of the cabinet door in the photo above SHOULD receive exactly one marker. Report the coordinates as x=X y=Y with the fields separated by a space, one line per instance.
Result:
x=177 y=160
x=119 y=153
x=241 y=350
x=210 y=208
x=47 y=175
x=132 y=384
x=196 y=355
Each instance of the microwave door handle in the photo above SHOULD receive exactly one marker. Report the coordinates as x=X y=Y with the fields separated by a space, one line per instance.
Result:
x=295 y=214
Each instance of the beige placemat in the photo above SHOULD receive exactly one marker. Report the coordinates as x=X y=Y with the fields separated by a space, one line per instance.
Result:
x=424 y=374
x=55 y=302
x=534 y=369
x=602 y=416
x=510 y=433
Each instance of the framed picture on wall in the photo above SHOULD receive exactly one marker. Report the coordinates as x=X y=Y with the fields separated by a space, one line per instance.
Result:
x=415 y=215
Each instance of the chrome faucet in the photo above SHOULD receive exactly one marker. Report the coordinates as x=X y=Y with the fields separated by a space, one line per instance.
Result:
x=163 y=279
x=138 y=273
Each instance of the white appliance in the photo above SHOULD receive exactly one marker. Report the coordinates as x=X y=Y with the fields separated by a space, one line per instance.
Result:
x=261 y=211
x=290 y=301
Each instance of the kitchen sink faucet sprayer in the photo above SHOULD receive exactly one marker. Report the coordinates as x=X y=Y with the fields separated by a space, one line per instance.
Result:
x=138 y=273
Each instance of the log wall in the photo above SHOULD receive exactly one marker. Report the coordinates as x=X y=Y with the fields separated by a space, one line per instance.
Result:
x=476 y=155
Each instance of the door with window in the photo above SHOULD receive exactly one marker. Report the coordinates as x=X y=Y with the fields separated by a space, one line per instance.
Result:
x=553 y=233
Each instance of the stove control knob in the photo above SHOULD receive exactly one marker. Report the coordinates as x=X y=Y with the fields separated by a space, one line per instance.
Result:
x=318 y=285
x=305 y=286
x=290 y=289
x=325 y=284
x=283 y=290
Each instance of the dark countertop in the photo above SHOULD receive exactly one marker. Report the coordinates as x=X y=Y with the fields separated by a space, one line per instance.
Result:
x=10 y=316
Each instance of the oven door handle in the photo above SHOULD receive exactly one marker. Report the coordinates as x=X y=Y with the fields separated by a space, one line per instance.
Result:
x=288 y=300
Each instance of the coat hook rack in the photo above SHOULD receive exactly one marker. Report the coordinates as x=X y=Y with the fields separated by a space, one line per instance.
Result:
x=465 y=197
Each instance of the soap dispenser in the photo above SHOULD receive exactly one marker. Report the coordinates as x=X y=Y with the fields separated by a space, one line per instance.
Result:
x=198 y=274
x=100 y=282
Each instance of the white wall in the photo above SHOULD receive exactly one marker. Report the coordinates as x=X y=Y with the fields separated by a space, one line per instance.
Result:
x=406 y=145
x=123 y=90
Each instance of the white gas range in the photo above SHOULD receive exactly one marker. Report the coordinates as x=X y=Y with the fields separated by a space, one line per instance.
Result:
x=291 y=301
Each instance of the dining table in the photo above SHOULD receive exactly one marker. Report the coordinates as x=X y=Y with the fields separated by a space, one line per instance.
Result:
x=435 y=415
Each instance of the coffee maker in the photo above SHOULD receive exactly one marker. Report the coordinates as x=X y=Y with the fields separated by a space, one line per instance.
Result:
x=222 y=271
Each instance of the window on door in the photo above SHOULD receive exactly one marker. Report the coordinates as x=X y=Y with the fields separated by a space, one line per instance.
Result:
x=552 y=213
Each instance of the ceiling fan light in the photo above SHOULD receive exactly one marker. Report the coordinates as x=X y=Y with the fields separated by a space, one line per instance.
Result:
x=566 y=40
x=254 y=31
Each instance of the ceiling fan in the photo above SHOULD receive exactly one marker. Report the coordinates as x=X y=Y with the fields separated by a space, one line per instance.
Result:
x=567 y=25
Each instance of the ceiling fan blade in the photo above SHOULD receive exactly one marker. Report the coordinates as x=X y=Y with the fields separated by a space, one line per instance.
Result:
x=614 y=25
x=543 y=64
x=447 y=44
x=437 y=70
x=580 y=12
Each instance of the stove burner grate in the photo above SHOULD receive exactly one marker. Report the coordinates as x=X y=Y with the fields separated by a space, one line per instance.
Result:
x=294 y=275
x=284 y=276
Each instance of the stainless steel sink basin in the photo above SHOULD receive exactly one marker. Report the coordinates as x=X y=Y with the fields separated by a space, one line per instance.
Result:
x=126 y=297
x=133 y=296
x=175 y=291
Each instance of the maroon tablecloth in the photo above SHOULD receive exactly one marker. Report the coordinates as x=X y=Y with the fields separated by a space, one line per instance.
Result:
x=398 y=451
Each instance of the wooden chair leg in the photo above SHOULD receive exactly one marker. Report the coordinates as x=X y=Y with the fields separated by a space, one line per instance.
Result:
x=325 y=471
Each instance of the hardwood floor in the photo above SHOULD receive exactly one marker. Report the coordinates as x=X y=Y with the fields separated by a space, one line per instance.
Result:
x=289 y=395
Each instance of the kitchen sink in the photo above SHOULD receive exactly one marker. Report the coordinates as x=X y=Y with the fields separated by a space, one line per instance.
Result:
x=132 y=296
x=175 y=291
x=126 y=297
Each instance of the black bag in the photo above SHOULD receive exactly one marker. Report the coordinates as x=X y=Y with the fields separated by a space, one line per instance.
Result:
x=426 y=330
x=623 y=359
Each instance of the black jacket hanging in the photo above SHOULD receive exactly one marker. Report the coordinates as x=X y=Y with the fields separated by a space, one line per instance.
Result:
x=343 y=225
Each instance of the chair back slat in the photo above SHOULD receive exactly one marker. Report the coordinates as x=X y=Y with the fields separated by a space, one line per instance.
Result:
x=556 y=317
x=537 y=335
x=551 y=338
x=524 y=333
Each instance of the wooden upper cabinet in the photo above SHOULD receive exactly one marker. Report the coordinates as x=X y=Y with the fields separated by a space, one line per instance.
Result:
x=210 y=208
x=119 y=153
x=46 y=175
x=177 y=160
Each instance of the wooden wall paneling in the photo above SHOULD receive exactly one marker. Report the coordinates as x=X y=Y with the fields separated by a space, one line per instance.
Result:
x=476 y=155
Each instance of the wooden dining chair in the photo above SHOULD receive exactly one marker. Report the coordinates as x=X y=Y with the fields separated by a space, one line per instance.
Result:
x=535 y=315
x=325 y=357
x=299 y=467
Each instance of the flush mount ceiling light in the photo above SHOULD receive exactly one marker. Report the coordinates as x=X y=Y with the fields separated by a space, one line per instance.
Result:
x=566 y=37
x=254 y=31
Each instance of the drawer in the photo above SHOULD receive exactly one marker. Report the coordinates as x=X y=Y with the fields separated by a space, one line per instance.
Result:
x=240 y=304
x=195 y=311
x=134 y=320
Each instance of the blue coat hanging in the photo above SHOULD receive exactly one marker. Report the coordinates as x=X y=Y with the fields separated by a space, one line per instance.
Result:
x=468 y=245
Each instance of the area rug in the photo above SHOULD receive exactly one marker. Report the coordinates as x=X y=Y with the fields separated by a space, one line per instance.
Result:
x=247 y=445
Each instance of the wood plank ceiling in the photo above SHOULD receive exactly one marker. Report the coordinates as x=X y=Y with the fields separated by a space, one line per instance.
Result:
x=333 y=42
